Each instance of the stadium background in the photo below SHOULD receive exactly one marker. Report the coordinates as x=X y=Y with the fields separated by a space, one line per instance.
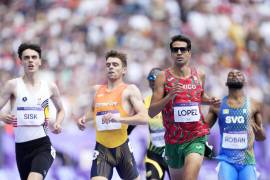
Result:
x=75 y=34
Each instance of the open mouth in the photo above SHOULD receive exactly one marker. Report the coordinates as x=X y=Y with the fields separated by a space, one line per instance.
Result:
x=179 y=59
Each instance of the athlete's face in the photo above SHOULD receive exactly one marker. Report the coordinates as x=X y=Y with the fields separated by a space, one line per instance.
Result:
x=235 y=79
x=114 y=68
x=30 y=60
x=180 y=53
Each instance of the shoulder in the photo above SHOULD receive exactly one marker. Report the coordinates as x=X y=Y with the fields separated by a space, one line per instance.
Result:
x=200 y=72
x=96 y=87
x=132 y=91
x=52 y=86
x=162 y=76
x=255 y=105
x=12 y=83
x=132 y=88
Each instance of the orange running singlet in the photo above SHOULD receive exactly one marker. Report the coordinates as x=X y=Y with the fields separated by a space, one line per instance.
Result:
x=113 y=134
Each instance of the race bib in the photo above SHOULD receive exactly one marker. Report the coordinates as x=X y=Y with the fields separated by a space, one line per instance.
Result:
x=102 y=126
x=234 y=140
x=30 y=116
x=158 y=139
x=186 y=112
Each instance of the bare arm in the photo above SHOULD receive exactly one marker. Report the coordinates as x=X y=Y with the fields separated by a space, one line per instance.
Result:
x=60 y=112
x=136 y=101
x=88 y=115
x=135 y=98
x=158 y=101
x=211 y=116
x=257 y=124
x=206 y=99
x=5 y=95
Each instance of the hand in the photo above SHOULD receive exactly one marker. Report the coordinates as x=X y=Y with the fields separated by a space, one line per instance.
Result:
x=214 y=101
x=81 y=123
x=175 y=90
x=109 y=117
x=255 y=127
x=57 y=128
x=7 y=118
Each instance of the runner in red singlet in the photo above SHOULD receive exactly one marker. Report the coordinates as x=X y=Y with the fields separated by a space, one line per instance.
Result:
x=179 y=93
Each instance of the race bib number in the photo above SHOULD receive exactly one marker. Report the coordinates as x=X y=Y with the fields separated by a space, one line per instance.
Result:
x=234 y=140
x=158 y=139
x=30 y=116
x=186 y=112
x=102 y=126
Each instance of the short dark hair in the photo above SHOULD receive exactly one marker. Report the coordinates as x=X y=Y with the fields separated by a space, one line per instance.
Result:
x=121 y=56
x=180 y=38
x=25 y=46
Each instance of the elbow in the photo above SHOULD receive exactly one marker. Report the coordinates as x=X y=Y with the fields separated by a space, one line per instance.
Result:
x=151 y=114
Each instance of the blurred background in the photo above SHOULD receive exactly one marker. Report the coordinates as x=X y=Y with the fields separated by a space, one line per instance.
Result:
x=75 y=35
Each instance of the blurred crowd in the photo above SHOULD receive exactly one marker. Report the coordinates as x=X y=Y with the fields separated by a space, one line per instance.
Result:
x=76 y=34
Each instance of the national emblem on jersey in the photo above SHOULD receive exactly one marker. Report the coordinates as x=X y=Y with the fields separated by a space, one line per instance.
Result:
x=24 y=99
x=225 y=111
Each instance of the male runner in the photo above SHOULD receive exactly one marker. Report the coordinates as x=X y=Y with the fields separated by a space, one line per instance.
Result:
x=29 y=97
x=240 y=123
x=178 y=93
x=114 y=106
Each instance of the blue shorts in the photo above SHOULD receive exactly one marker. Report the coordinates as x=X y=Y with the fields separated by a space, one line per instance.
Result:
x=229 y=171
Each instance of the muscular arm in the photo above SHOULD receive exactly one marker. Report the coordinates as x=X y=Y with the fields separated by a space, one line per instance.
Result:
x=211 y=116
x=5 y=95
x=257 y=124
x=206 y=99
x=136 y=101
x=158 y=101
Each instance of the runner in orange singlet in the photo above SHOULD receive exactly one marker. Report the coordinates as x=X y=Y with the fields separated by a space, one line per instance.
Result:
x=115 y=105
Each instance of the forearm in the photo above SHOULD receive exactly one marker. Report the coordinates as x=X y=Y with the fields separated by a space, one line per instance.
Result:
x=157 y=107
x=138 y=119
x=60 y=116
x=260 y=135
x=206 y=99
x=88 y=116
x=210 y=123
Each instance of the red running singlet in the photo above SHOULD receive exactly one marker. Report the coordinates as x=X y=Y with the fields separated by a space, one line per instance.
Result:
x=182 y=116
